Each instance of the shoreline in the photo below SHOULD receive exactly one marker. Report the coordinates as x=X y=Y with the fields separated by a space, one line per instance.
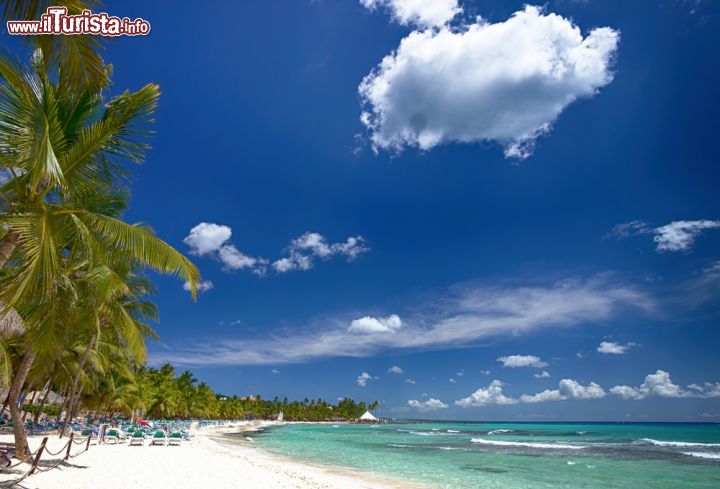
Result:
x=204 y=461
x=379 y=480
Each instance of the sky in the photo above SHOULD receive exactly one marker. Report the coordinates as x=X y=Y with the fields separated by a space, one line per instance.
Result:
x=463 y=209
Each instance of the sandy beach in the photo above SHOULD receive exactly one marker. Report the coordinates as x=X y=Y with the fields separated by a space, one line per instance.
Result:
x=201 y=462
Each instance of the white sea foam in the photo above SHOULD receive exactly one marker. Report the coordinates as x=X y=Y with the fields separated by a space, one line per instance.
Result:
x=570 y=462
x=453 y=431
x=707 y=455
x=677 y=443
x=556 y=446
x=499 y=432
x=431 y=433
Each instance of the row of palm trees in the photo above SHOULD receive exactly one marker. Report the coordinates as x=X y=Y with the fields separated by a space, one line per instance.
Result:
x=71 y=269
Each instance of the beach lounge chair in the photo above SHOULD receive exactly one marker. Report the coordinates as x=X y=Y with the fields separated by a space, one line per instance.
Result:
x=138 y=438
x=114 y=436
x=175 y=438
x=158 y=438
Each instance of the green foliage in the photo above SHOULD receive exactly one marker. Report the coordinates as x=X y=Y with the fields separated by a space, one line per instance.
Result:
x=169 y=395
x=50 y=410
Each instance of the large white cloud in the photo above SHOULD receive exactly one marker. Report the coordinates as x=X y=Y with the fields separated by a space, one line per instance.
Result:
x=490 y=395
x=517 y=361
x=505 y=82
x=431 y=404
x=370 y=325
x=423 y=13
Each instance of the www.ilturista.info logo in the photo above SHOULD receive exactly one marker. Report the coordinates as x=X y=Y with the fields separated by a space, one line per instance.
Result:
x=57 y=21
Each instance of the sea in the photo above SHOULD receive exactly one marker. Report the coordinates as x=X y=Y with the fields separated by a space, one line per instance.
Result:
x=510 y=455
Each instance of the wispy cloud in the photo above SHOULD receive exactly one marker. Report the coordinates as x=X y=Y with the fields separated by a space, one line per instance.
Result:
x=542 y=375
x=468 y=314
x=395 y=370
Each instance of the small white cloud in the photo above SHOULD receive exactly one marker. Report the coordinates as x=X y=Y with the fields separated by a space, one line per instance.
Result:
x=275 y=371
x=410 y=381
x=452 y=381
x=363 y=379
x=680 y=235
x=612 y=348
x=460 y=373
x=567 y=389
x=491 y=395
x=431 y=404
x=517 y=361
x=371 y=325
x=310 y=245
x=207 y=237
x=203 y=286
x=505 y=82
x=542 y=375
x=660 y=384
x=423 y=13
x=210 y=239
x=395 y=370
x=673 y=237
x=485 y=372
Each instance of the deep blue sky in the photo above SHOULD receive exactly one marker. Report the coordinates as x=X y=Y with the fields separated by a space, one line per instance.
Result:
x=257 y=128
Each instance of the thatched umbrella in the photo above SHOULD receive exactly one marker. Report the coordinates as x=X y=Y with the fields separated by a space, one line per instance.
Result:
x=11 y=324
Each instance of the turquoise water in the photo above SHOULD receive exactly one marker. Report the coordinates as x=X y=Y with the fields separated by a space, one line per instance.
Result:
x=513 y=455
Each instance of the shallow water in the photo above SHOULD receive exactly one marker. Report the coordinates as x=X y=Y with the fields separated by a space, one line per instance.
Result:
x=513 y=455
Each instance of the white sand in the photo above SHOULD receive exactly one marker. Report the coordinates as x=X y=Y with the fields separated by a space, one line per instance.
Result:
x=200 y=463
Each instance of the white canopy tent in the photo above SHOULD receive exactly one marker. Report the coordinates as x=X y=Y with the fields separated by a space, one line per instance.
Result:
x=368 y=417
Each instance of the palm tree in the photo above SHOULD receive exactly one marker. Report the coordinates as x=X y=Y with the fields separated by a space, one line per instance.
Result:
x=63 y=148
x=82 y=64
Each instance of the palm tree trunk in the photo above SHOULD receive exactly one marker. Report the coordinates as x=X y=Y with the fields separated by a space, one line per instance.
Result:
x=76 y=381
x=30 y=388
x=46 y=393
x=22 y=451
x=8 y=246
